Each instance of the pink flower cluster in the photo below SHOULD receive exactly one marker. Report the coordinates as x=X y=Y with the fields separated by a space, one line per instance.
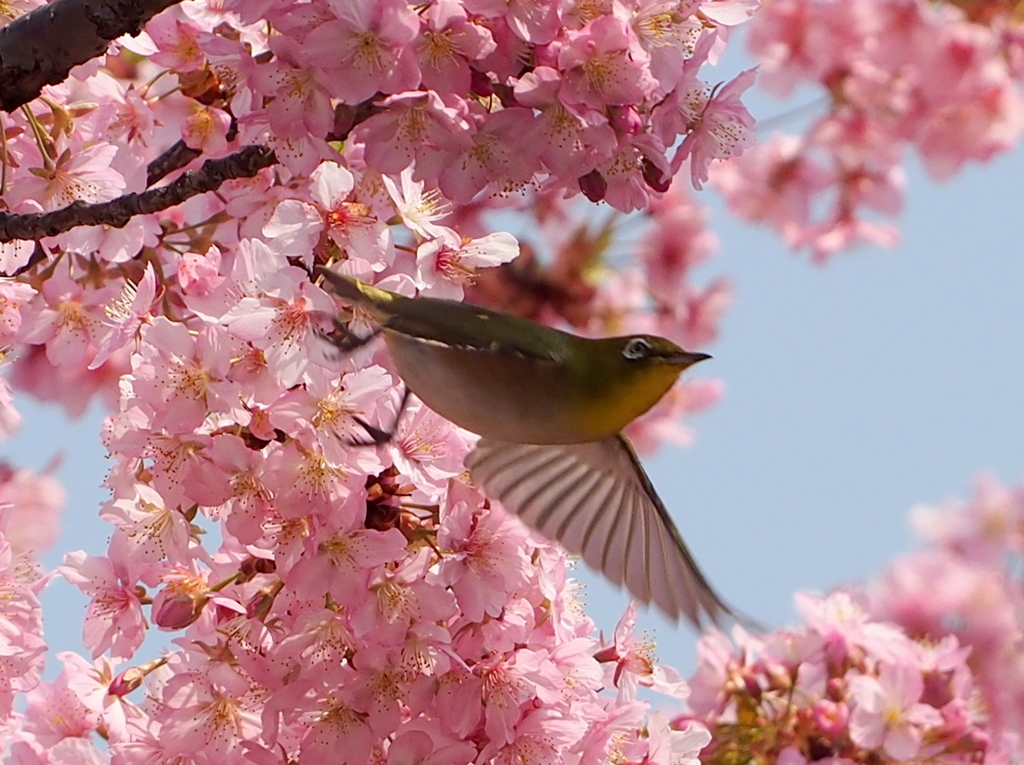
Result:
x=475 y=97
x=329 y=602
x=367 y=632
x=943 y=78
x=967 y=584
x=351 y=603
x=440 y=112
x=842 y=689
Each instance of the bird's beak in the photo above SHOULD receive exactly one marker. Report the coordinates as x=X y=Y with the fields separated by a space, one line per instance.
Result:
x=688 y=359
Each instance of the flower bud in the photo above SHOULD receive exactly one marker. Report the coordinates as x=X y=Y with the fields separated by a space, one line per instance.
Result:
x=260 y=604
x=625 y=120
x=131 y=678
x=126 y=682
x=655 y=177
x=831 y=717
x=594 y=186
x=175 y=609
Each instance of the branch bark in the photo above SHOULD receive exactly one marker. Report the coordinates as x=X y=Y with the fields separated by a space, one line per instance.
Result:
x=117 y=212
x=41 y=47
x=175 y=157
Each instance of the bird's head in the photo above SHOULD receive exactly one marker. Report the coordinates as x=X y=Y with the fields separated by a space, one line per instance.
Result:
x=628 y=375
x=651 y=351
x=645 y=368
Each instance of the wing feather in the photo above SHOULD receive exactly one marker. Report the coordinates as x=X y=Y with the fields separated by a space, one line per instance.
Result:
x=663 y=589
x=603 y=529
x=552 y=517
x=575 y=523
x=638 y=574
x=541 y=490
x=620 y=541
x=596 y=500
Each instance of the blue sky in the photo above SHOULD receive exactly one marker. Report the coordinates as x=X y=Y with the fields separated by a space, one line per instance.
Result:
x=853 y=392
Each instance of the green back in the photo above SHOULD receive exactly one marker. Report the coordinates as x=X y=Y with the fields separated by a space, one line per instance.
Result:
x=462 y=325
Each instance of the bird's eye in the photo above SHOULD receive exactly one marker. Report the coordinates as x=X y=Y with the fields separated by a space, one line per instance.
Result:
x=636 y=348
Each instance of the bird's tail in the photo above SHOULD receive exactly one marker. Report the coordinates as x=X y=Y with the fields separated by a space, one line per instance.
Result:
x=356 y=291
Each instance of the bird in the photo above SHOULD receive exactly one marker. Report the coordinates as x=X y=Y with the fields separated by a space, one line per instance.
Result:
x=550 y=408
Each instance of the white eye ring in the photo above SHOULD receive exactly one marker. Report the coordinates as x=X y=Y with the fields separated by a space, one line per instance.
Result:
x=636 y=348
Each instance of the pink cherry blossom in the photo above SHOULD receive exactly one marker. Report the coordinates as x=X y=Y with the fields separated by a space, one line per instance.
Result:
x=114 y=621
x=445 y=264
x=340 y=731
x=446 y=47
x=131 y=116
x=403 y=600
x=934 y=593
x=300 y=92
x=10 y=419
x=887 y=712
x=15 y=254
x=419 y=209
x=22 y=647
x=535 y=22
x=282 y=321
x=177 y=43
x=126 y=316
x=199 y=273
x=55 y=711
x=539 y=738
x=181 y=600
x=886 y=697
x=717 y=124
x=183 y=377
x=668 y=36
x=68 y=324
x=774 y=183
x=147 y=530
x=207 y=719
x=629 y=171
x=351 y=224
x=367 y=48
x=80 y=174
x=630 y=663
x=14 y=296
x=669 y=746
x=414 y=127
x=486 y=561
x=207 y=129
x=604 y=65
x=496 y=156
x=343 y=564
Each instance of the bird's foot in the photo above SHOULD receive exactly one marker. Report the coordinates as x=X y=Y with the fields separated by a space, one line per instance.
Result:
x=378 y=436
x=345 y=340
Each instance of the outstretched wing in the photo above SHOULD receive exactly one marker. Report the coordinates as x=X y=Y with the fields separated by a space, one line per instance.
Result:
x=596 y=500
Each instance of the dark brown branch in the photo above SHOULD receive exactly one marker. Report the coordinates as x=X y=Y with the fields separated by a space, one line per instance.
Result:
x=41 y=47
x=179 y=155
x=117 y=212
x=345 y=118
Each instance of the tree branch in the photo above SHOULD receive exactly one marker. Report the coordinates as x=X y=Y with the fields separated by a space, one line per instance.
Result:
x=177 y=156
x=117 y=212
x=41 y=47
